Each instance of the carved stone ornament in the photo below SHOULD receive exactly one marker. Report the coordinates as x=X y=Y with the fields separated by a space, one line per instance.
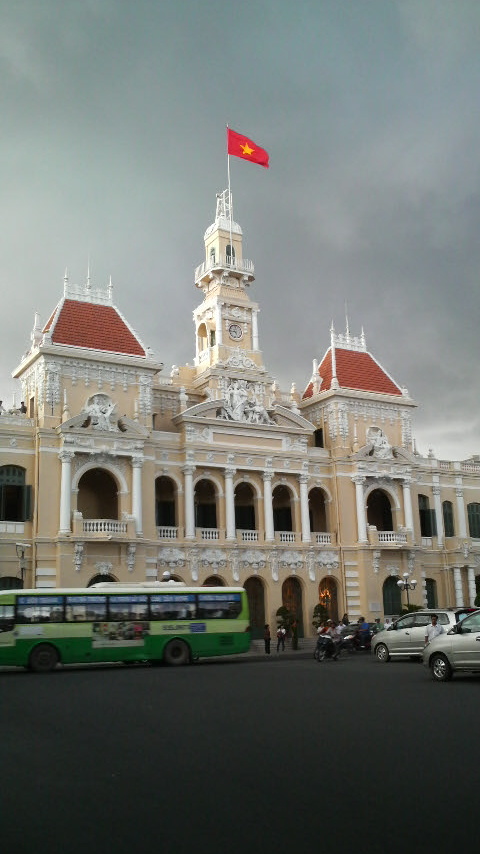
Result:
x=240 y=360
x=171 y=557
x=99 y=409
x=103 y=568
x=291 y=560
x=131 y=551
x=328 y=559
x=243 y=403
x=253 y=559
x=78 y=550
x=380 y=446
x=214 y=558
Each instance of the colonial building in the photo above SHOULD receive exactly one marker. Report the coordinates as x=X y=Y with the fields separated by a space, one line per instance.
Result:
x=117 y=471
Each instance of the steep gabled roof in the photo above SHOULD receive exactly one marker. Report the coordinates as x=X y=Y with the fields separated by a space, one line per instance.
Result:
x=354 y=370
x=94 y=326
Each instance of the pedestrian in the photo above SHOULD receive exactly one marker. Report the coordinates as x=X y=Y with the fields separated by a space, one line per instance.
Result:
x=378 y=626
x=266 y=638
x=345 y=620
x=433 y=630
x=23 y=408
x=281 y=632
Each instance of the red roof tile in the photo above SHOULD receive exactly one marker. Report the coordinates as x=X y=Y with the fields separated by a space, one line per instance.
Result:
x=354 y=370
x=97 y=327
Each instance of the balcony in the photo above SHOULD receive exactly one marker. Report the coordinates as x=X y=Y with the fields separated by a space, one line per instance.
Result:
x=168 y=532
x=323 y=539
x=389 y=539
x=248 y=536
x=224 y=262
x=104 y=529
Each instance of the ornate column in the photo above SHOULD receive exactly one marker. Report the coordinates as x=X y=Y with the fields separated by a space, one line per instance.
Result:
x=472 y=588
x=457 y=578
x=268 y=505
x=66 y=458
x=255 y=329
x=189 y=505
x=407 y=503
x=137 y=465
x=462 y=522
x=359 y=480
x=229 y=504
x=306 y=537
x=438 y=513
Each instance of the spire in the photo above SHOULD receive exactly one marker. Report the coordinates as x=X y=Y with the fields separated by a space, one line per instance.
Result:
x=334 y=382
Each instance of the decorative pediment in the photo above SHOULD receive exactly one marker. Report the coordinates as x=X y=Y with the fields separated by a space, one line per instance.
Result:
x=253 y=414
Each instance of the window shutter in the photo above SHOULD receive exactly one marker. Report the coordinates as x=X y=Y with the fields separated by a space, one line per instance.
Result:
x=26 y=503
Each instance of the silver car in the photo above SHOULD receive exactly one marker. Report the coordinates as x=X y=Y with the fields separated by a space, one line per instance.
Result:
x=459 y=649
x=406 y=637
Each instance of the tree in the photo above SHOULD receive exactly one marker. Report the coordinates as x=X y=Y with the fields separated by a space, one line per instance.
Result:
x=320 y=614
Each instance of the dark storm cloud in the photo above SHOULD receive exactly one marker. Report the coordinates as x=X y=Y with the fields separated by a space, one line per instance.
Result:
x=113 y=147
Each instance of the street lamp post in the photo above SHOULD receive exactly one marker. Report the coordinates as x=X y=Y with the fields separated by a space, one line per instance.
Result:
x=407 y=585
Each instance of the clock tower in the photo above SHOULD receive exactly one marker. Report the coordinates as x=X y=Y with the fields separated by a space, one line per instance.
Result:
x=226 y=321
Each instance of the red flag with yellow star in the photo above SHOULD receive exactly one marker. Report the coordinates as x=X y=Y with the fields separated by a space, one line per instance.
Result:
x=245 y=148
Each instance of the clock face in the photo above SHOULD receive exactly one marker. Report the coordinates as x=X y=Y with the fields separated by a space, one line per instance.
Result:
x=235 y=331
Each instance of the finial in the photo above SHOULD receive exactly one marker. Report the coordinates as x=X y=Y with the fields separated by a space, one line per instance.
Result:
x=88 y=274
x=110 y=288
x=347 y=329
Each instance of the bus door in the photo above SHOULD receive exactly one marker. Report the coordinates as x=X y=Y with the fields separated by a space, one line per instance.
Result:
x=7 y=625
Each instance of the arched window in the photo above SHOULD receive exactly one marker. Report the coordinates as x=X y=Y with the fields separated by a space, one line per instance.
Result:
x=205 y=505
x=282 y=511
x=15 y=495
x=230 y=253
x=431 y=590
x=473 y=512
x=392 y=597
x=212 y=254
x=317 y=510
x=448 y=523
x=165 y=502
x=256 y=605
x=379 y=511
x=244 y=507
x=97 y=495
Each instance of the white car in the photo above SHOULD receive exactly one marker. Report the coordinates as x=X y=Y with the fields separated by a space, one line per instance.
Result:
x=406 y=637
x=457 y=650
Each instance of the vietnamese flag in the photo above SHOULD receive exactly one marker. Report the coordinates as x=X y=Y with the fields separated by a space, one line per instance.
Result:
x=243 y=147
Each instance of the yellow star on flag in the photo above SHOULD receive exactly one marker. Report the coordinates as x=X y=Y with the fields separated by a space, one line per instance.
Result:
x=246 y=149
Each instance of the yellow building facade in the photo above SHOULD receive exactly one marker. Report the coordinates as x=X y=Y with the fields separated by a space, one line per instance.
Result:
x=115 y=471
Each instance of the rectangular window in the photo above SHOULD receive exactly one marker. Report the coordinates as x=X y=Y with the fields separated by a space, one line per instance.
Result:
x=219 y=606
x=173 y=606
x=128 y=607
x=473 y=512
x=40 y=609
x=428 y=522
x=448 y=525
x=85 y=609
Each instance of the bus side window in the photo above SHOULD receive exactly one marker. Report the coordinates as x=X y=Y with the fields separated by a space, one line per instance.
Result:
x=7 y=620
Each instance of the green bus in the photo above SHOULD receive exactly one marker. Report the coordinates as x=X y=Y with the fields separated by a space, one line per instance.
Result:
x=157 y=622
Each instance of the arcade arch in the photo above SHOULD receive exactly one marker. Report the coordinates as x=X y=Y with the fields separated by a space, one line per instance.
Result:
x=97 y=495
x=379 y=510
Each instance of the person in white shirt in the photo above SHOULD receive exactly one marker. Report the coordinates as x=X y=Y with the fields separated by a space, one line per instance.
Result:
x=433 y=630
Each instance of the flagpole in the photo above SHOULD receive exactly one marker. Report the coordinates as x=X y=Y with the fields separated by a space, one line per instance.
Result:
x=229 y=200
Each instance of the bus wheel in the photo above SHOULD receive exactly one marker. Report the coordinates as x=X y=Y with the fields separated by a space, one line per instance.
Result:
x=43 y=658
x=176 y=652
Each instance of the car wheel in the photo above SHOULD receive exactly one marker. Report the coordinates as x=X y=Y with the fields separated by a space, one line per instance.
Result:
x=176 y=652
x=382 y=653
x=441 y=670
x=43 y=658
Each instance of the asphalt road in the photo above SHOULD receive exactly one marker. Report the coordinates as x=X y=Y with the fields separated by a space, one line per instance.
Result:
x=225 y=757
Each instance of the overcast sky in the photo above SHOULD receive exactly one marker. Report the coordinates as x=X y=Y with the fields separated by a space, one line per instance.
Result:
x=113 y=117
